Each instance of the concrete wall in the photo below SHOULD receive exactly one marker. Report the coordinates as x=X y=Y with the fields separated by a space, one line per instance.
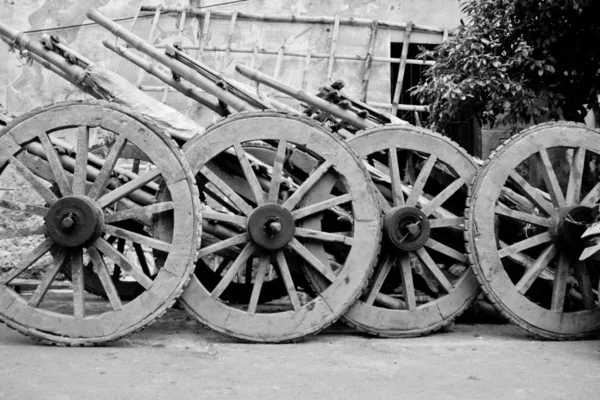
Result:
x=23 y=87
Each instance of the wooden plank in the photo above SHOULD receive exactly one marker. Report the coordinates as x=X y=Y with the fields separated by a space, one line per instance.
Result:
x=299 y=248
x=332 y=49
x=219 y=216
x=401 y=68
x=369 y=61
x=230 y=38
x=306 y=70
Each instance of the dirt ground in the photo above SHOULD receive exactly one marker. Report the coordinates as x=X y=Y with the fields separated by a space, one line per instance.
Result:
x=176 y=358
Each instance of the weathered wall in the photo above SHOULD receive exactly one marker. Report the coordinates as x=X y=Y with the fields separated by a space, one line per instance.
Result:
x=23 y=87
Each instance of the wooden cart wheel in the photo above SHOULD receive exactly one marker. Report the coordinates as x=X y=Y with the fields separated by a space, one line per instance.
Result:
x=528 y=208
x=72 y=224
x=422 y=280
x=262 y=215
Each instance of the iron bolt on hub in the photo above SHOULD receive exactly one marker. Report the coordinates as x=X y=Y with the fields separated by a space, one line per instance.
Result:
x=74 y=221
x=407 y=228
x=271 y=226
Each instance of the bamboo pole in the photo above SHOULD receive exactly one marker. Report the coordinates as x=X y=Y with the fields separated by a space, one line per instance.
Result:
x=295 y=18
x=185 y=72
x=369 y=62
x=401 y=69
x=334 y=39
x=150 y=35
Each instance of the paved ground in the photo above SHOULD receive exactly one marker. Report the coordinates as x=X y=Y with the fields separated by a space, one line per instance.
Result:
x=176 y=358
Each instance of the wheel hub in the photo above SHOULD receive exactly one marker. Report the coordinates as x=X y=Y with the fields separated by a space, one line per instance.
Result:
x=407 y=228
x=568 y=226
x=271 y=226
x=74 y=221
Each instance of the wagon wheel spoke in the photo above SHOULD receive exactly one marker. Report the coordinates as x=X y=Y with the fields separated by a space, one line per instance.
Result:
x=534 y=271
x=81 y=161
x=48 y=277
x=284 y=270
x=29 y=176
x=313 y=261
x=446 y=250
x=116 y=274
x=55 y=165
x=120 y=259
x=559 y=287
x=321 y=206
x=22 y=232
x=102 y=271
x=380 y=277
x=78 y=282
x=426 y=259
x=23 y=208
x=585 y=285
x=27 y=262
x=522 y=216
x=263 y=265
x=227 y=191
x=397 y=195
x=322 y=236
x=592 y=197
x=222 y=217
x=531 y=193
x=233 y=241
x=419 y=185
x=233 y=270
x=139 y=252
x=251 y=178
x=139 y=212
x=277 y=172
x=446 y=222
x=408 y=286
x=124 y=190
x=441 y=197
x=575 y=176
x=558 y=198
x=525 y=244
x=137 y=238
x=107 y=169
x=312 y=179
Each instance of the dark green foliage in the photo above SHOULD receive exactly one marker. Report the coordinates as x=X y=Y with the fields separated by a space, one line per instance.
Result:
x=514 y=60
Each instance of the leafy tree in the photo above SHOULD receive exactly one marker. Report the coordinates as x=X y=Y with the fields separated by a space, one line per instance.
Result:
x=511 y=61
